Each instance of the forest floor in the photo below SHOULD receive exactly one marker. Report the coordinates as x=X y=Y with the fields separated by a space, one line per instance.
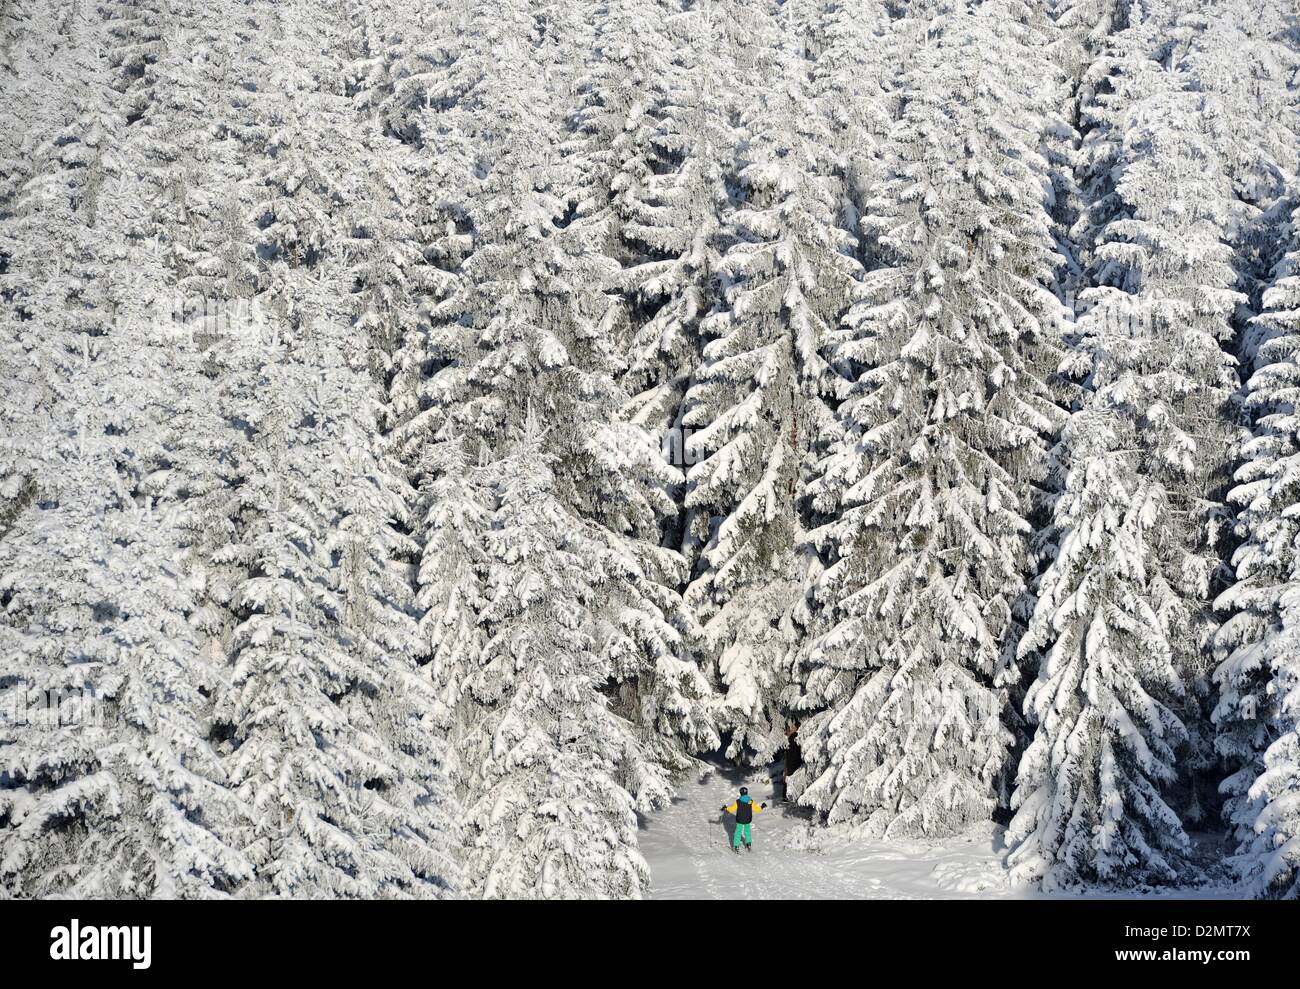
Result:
x=688 y=846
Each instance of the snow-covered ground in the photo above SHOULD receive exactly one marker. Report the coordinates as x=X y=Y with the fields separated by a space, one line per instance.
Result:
x=689 y=851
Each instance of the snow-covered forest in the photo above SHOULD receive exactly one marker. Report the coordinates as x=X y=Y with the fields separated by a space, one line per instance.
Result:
x=431 y=426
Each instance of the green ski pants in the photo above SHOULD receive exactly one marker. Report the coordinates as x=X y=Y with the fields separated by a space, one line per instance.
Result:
x=742 y=831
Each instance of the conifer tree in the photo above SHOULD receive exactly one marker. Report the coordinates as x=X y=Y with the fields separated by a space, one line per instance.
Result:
x=928 y=492
x=1123 y=621
x=761 y=404
x=523 y=335
x=1256 y=714
x=112 y=788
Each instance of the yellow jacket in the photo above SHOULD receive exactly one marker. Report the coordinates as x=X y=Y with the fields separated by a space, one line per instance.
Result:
x=752 y=803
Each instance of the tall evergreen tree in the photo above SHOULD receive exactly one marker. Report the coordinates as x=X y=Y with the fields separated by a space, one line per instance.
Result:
x=946 y=431
x=760 y=405
x=112 y=788
x=1123 y=621
x=1256 y=715
x=523 y=336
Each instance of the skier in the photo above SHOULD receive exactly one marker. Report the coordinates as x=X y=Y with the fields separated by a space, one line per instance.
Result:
x=744 y=808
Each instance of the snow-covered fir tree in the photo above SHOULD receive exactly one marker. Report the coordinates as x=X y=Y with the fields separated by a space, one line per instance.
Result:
x=648 y=156
x=547 y=811
x=1123 y=621
x=1089 y=800
x=944 y=441
x=524 y=334
x=1256 y=715
x=760 y=405
x=112 y=787
x=1269 y=855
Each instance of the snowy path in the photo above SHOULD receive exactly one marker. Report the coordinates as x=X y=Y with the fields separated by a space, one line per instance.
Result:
x=688 y=848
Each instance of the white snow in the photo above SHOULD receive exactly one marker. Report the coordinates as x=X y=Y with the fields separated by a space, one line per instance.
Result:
x=688 y=847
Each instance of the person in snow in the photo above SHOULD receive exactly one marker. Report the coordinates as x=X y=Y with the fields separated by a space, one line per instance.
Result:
x=744 y=808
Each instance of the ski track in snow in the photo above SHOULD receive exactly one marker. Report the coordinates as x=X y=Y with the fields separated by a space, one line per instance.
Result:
x=688 y=846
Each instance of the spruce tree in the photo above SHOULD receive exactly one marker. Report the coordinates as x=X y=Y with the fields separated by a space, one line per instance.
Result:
x=111 y=787
x=1256 y=714
x=1123 y=621
x=760 y=407
x=945 y=438
x=521 y=336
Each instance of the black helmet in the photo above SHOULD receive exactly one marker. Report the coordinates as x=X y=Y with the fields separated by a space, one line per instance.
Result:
x=744 y=791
